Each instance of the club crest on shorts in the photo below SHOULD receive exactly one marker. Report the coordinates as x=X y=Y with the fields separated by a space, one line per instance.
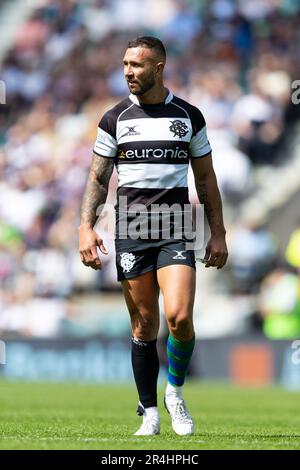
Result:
x=179 y=255
x=127 y=261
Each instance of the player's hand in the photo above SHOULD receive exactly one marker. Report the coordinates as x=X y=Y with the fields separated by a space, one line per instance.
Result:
x=216 y=253
x=89 y=240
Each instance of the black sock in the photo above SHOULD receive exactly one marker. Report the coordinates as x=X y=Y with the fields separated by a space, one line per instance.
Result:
x=145 y=365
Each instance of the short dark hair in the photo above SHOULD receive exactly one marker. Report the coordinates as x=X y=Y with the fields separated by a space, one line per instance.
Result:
x=151 y=42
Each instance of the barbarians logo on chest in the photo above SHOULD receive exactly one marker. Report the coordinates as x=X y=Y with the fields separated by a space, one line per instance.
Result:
x=179 y=128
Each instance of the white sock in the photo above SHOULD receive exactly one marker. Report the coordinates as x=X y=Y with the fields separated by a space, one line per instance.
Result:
x=173 y=392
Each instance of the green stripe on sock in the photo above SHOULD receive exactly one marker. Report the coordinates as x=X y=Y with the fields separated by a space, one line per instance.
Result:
x=179 y=354
x=182 y=345
x=177 y=373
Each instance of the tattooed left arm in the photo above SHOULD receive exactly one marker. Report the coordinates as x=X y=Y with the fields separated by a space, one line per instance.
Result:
x=209 y=195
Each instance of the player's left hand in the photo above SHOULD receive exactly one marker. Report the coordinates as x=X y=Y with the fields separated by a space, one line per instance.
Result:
x=216 y=252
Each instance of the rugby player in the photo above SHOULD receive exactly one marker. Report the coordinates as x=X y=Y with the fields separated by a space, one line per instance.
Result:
x=151 y=137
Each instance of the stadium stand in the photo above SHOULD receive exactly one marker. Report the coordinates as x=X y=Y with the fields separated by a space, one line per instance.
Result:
x=61 y=64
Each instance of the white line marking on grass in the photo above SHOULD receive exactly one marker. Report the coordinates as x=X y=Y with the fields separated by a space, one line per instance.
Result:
x=93 y=439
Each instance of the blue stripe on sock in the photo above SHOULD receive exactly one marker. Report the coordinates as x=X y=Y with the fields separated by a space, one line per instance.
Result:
x=178 y=353
x=176 y=365
x=178 y=381
x=178 y=361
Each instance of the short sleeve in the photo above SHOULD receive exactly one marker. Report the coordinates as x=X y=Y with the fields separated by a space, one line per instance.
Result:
x=199 y=145
x=106 y=143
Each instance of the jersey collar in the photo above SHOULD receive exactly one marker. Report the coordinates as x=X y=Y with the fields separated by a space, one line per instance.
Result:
x=135 y=100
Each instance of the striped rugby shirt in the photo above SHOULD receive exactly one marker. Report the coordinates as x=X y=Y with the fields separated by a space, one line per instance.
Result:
x=152 y=145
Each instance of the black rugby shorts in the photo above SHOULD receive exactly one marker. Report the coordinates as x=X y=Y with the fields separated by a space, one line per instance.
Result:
x=132 y=261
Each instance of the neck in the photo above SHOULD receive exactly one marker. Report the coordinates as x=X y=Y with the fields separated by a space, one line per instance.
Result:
x=157 y=94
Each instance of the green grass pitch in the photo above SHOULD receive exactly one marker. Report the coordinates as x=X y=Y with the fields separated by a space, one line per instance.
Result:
x=73 y=416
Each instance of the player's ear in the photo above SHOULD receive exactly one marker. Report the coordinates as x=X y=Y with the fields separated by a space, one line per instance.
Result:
x=160 y=67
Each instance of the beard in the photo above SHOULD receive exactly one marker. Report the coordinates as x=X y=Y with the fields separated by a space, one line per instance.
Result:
x=144 y=87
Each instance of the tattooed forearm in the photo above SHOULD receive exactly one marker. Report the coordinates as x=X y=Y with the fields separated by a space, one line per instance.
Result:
x=208 y=193
x=96 y=189
x=209 y=196
x=202 y=193
x=203 y=198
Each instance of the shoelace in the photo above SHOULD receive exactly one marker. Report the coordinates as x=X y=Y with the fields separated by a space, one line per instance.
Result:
x=181 y=413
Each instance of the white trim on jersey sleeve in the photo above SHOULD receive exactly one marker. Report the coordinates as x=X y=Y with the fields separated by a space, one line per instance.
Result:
x=200 y=145
x=105 y=144
x=157 y=175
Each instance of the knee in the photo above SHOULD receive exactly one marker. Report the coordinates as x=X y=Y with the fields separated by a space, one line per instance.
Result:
x=144 y=327
x=181 y=324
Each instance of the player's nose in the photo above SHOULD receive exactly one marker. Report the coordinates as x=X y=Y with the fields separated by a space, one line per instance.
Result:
x=128 y=73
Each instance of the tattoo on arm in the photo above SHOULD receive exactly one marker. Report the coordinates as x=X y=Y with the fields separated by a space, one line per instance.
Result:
x=212 y=207
x=203 y=198
x=96 y=188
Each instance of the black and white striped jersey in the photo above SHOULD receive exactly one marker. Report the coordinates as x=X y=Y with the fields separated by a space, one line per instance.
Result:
x=152 y=146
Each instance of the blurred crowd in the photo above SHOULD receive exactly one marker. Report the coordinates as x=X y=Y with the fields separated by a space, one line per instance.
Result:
x=235 y=60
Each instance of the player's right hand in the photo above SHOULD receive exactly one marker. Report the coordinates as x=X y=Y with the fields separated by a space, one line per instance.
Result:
x=89 y=241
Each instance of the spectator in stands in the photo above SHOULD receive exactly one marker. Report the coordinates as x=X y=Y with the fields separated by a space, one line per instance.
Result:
x=236 y=61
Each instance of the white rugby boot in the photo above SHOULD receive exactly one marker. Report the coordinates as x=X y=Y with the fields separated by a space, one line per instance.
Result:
x=151 y=421
x=182 y=422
